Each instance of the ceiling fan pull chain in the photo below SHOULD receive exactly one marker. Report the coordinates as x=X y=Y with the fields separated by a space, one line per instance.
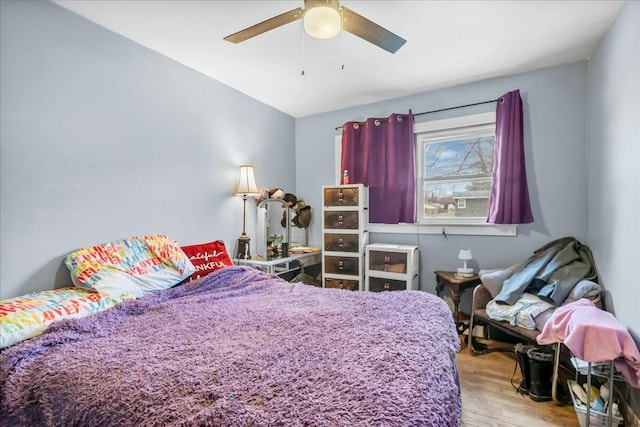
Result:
x=342 y=37
x=302 y=27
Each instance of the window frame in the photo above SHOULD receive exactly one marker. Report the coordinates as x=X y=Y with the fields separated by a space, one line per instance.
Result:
x=444 y=130
x=447 y=226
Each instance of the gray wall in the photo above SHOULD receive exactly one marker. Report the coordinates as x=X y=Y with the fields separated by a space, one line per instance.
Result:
x=613 y=146
x=554 y=107
x=613 y=153
x=102 y=139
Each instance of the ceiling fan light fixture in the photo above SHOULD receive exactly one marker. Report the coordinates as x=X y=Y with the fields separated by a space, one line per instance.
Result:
x=322 y=21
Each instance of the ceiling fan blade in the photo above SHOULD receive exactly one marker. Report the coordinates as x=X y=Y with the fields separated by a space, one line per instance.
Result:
x=368 y=30
x=264 y=26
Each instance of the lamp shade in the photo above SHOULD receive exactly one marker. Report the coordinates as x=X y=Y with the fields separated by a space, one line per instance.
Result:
x=465 y=254
x=247 y=182
x=322 y=19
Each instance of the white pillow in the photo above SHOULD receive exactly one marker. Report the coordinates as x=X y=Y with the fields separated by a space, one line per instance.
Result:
x=583 y=289
x=493 y=279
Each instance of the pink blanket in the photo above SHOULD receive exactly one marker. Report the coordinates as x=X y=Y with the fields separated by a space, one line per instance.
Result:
x=594 y=335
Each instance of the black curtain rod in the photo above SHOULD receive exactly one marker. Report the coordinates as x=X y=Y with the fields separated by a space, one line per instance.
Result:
x=455 y=108
x=447 y=109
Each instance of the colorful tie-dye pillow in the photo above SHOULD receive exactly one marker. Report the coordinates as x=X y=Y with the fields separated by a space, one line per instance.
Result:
x=29 y=315
x=135 y=266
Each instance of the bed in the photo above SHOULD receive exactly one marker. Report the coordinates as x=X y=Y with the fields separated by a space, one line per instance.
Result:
x=241 y=347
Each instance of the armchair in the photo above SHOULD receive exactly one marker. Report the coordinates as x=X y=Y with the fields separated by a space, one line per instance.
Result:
x=479 y=317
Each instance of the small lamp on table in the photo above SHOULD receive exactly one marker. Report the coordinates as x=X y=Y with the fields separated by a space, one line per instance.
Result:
x=465 y=255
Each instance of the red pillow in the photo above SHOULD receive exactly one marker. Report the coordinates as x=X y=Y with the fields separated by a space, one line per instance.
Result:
x=207 y=258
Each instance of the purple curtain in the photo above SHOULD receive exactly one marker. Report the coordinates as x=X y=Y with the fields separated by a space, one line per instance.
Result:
x=379 y=153
x=509 y=200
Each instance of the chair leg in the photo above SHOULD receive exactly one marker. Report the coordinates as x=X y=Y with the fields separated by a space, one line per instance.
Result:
x=556 y=366
x=475 y=348
x=471 y=342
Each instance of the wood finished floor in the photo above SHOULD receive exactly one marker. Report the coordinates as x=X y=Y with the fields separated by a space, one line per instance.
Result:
x=489 y=400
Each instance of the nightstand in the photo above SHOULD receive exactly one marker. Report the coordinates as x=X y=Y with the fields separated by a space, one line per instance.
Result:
x=391 y=267
x=458 y=286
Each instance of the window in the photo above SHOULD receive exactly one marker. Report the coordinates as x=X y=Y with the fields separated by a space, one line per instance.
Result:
x=455 y=167
x=440 y=178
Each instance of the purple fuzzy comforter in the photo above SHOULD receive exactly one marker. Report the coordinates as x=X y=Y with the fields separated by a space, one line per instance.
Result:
x=241 y=348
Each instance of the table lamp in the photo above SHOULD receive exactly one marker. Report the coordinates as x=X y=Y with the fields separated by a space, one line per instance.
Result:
x=246 y=187
x=465 y=255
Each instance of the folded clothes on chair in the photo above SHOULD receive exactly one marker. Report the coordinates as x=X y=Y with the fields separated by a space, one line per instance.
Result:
x=523 y=313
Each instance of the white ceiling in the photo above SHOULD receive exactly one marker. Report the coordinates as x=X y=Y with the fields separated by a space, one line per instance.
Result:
x=448 y=43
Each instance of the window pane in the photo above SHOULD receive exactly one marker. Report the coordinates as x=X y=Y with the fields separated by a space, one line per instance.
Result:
x=460 y=157
x=456 y=198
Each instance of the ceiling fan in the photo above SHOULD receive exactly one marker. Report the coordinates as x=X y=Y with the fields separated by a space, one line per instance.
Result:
x=324 y=19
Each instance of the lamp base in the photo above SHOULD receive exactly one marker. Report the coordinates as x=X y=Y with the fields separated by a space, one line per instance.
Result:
x=244 y=247
x=464 y=271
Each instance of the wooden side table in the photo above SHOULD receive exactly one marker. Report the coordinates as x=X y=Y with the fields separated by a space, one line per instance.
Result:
x=458 y=286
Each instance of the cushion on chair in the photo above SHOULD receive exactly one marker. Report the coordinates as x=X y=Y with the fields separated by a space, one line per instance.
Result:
x=493 y=279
